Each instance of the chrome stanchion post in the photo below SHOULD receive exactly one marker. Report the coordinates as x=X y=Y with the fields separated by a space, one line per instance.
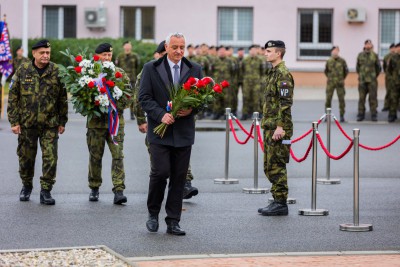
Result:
x=255 y=189
x=328 y=179
x=356 y=226
x=226 y=180
x=314 y=211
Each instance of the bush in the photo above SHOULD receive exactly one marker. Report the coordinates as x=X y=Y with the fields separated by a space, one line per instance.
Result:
x=144 y=50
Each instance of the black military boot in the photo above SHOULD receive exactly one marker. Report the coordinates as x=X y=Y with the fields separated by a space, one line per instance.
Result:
x=25 y=193
x=360 y=116
x=374 y=117
x=94 y=195
x=119 y=197
x=275 y=209
x=392 y=118
x=45 y=198
x=132 y=116
x=189 y=191
x=342 y=118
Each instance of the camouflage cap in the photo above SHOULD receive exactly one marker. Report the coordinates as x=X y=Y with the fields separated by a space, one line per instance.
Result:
x=104 y=47
x=277 y=43
x=42 y=43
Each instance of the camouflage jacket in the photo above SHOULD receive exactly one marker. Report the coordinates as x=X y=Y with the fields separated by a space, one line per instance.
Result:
x=240 y=70
x=394 y=68
x=130 y=64
x=223 y=69
x=36 y=101
x=137 y=108
x=253 y=68
x=386 y=62
x=18 y=61
x=368 y=66
x=278 y=88
x=203 y=62
x=122 y=103
x=336 y=69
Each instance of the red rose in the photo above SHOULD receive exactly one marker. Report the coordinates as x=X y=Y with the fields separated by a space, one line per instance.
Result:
x=224 y=84
x=78 y=58
x=191 y=81
x=206 y=80
x=78 y=69
x=217 y=88
x=110 y=83
x=103 y=90
x=91 y=84
x=103 y=80
x=96 y=58
x=118 y=75
x=97 y=103
x=187 y=86
x=200 y=84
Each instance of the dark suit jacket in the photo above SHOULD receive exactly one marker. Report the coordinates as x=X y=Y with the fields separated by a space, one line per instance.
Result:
x=153 y=97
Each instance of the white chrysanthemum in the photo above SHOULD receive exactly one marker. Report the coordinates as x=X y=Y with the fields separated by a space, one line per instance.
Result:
x=91 y=72
x=109 y=65
x=85 y=63
x=117 y=93
x=83 y=70
x=103 y=100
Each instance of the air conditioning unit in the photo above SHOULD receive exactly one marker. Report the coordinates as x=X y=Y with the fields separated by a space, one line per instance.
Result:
x=96 y=17
x=356 y=15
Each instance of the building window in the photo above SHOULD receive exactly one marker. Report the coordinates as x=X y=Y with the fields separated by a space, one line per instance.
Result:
x=59 y=22
x=314 y=34
x=235 y=26
x=137 y=22
x=389 y=30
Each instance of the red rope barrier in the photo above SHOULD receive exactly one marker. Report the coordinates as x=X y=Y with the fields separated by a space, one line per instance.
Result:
x=260 y=139
x=305 y=155
x=235 y=136
x=241 y=127
x=307 y=133
x=364 y=146
x=328 y=153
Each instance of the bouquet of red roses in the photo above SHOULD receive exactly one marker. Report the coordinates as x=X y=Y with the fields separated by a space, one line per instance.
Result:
x=194 y=93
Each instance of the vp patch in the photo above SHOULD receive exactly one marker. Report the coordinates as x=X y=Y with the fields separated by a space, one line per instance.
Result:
x=284 y=92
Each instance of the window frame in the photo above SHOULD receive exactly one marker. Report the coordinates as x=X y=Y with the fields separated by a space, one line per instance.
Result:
x=138 y=23
x=385 y=46
x=60 y=17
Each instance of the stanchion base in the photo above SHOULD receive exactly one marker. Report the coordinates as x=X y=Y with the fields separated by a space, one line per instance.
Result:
x=316 y=212
x=226 y=181
x=255 y=190
x=328 y=181
x=350 y=227
x=288 y=201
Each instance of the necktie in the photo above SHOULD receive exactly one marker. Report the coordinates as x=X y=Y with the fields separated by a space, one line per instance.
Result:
x=176 y=74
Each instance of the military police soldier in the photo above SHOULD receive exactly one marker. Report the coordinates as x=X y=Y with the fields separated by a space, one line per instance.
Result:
x=388 y=78
x=394 y=72
x=37 y=110
x=278 y=126
x=97 y=135
x=336 y=71
x=368 y=69
x=129 y=61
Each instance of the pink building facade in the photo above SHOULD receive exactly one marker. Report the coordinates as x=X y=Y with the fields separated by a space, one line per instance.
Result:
x=309 y=27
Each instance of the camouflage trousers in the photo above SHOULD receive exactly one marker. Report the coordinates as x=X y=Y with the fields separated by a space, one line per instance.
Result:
x=364 y=89
x=394 y=99
x=27 y=149
x=252 y=100
x=340 y=91
x=276 y=156
x=189 y=175
x=231 y=99
x=389 y=84
x=96 y=139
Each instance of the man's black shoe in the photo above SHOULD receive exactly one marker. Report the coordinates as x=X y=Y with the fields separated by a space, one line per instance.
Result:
x=360 y=117
x=173 y=228
x=342 y=118
x=276 y=209
x=392 y=118
x=25 y=193
x=385 y=109
x=152 y=223
x=216 y=116
x=94 y=195
x=374 y=117
x=119 y=198
x=189 y=191
x=45 y=198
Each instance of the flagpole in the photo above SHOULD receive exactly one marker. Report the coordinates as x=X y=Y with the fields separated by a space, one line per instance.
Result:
x=2 y=82
x=25 y=28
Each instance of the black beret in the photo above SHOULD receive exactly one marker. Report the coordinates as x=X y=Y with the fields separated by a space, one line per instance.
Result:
x=161 y=47
x=105 y=47
x=18 y=48
x=126 y=42
x=42 y=43
x=277 y=43
x=392 y=45
x=368 y=41
x=252 y=46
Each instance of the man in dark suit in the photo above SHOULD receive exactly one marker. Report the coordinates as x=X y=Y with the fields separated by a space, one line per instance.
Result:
x=170 y=155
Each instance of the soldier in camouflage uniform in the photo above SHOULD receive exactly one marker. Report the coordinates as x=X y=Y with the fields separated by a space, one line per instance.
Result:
x=394 y=72
x=252 y=73
x=336 y=71
x=129 y=62
x=19 y=58
x=97 y=135
x=278 y=127
x=223 y=69
x=234 y=81
x=388 y=79
x=37 y=110
x=368 y=69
